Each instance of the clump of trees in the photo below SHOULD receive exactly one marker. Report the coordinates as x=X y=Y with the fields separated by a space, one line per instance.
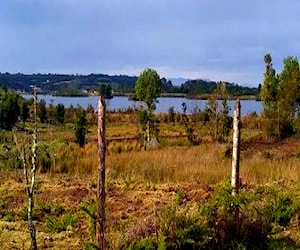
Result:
x=12 y=108
x=218 y=113
x=280 y=94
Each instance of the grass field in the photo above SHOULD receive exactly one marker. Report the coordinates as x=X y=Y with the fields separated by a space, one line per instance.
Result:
x=140 y=184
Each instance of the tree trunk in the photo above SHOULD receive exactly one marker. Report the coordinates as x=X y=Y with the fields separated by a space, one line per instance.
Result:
x=100 y=220
x=33 y=174
x=235 y=177
x=30 y=185
x=148 y=131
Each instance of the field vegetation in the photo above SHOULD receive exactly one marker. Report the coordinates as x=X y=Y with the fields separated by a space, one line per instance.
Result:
x=165 y=196
x=168 y=175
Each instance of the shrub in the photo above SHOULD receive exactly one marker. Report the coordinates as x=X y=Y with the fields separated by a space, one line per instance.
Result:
x=23 y=214
x=181 y=231
x=279 y=206
x=89 y=208
x=143 y=244
x=59 y=224
x=233 y=225
x=9 y=217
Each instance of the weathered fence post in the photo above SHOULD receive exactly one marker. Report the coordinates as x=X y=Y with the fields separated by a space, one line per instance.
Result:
x=100 y=220
x=235 y=176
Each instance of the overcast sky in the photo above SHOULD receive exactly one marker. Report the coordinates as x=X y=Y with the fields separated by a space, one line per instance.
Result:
x=208 y=39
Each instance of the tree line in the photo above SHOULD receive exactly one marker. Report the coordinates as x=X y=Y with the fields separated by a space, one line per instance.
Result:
x=73 y=85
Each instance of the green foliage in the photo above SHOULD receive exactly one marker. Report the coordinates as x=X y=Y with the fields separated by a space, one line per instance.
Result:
x=192 y=138
x=280 y=96
x=148 y=87
x=106 y=91
x=23 y=214
x=219 y=118
x=269 y=94
x=59 y=113
x=91 y=246
x=171 y=115
x=181 y=231
x=9 y=109
x=89 y=208
x=289 y=82
x=80 y=129
x=235 y=221
x=194 y=87
x=58 y=224
x=9 y=157
x=42 y=111
x=24 y=110
x=142 y=244
x=9 y=217
x=270 y=88
x=43 y=158
x=280 y=206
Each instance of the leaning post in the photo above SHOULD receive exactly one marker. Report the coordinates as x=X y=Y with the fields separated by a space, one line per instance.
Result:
x=235 y=174
x=100 y=219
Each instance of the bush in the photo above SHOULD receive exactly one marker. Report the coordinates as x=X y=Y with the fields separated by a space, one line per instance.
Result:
x=181 y=231
x=23 y=214
x=143 y=244
x=9 y=217
x=43 y=158
x=232 y=221
x=279 y=206
x=58 y=224
x=89 y=208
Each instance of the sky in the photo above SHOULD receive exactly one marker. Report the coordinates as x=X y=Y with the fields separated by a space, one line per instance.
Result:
x=207 y=39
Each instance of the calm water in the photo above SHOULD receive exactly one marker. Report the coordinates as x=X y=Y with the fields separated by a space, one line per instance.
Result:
x=122 y=102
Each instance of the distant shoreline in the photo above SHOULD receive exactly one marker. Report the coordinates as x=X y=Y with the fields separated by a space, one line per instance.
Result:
x=167 y=95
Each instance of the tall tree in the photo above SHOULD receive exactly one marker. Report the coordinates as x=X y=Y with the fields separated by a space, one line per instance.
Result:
x=9 y=110
x=60 y=113
x=42 y=111
x=106 y=91
x=24 y=110
x=225 y=119
x=212 y=109
x=289 y=82
x=147 y=89
x=269 y=94
x=269 y=89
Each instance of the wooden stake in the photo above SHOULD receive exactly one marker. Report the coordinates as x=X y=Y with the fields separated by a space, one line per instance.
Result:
x=100 y=220
x=235 y=176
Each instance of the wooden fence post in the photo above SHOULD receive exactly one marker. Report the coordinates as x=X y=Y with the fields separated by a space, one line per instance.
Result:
x=100 y=219
x=235 y=174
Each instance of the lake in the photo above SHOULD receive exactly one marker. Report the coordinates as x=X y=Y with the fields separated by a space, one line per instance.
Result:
x=164 y=103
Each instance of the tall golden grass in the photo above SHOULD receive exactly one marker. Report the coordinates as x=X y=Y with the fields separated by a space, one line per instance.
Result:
x=205 y=163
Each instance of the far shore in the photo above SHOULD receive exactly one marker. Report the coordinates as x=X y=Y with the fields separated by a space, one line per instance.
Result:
x=167 y=95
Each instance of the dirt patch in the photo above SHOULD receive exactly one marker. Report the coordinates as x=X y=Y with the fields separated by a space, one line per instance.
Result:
x=75 y=195
x=278 y=149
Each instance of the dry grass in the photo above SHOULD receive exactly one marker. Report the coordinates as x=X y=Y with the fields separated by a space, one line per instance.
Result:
x=140 y=183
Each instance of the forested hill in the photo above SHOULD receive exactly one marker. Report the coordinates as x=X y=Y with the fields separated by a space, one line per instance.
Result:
x=63 y=84
x=52 y=82
x=194 y=87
